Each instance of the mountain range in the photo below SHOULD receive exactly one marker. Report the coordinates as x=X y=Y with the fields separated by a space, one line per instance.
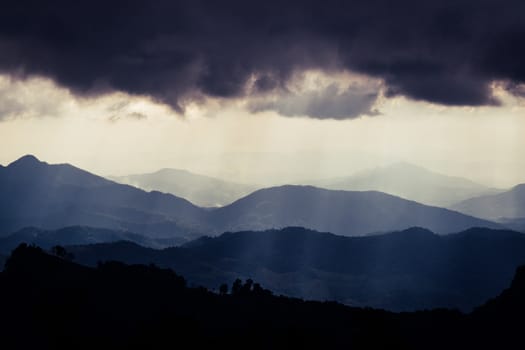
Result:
x=400 y=179
x=50 y=197
x=347 y=213
x=411 y=182
x=508 y=206
x=407 y=270
x=201 y=190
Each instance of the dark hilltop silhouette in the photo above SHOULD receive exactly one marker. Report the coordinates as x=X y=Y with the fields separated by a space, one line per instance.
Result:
x=48 y=302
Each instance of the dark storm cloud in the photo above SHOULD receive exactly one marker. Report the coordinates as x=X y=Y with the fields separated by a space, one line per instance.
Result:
x=446 y=52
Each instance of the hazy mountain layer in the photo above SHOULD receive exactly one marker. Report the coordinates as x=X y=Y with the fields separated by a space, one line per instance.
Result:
x=506 y=205
x=410 y=182
x=341 y=212
x=47 y=196
x=201 y=190
x=408 y=270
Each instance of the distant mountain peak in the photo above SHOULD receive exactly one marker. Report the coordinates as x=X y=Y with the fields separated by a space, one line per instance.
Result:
x=26 y=160
x=202 y=190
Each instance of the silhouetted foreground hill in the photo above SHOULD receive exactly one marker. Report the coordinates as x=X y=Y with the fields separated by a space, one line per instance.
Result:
x=48 y=196
x=407 y=270
x=76 y=235
x=503 y=317
x=50 y=303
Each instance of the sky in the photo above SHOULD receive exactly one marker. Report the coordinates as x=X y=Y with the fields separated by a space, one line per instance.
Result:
x=266 y=92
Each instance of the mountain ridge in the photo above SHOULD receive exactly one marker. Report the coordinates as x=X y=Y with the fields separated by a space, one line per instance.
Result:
x=409 y=181
x=78 y=235
x=202 y=190
x=52 y=196
x=506 y=205
x=401 y=271
x=337 y=211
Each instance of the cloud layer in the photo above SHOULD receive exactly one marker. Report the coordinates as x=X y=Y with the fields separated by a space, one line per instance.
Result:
x=446 y=52
x=327 y=103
